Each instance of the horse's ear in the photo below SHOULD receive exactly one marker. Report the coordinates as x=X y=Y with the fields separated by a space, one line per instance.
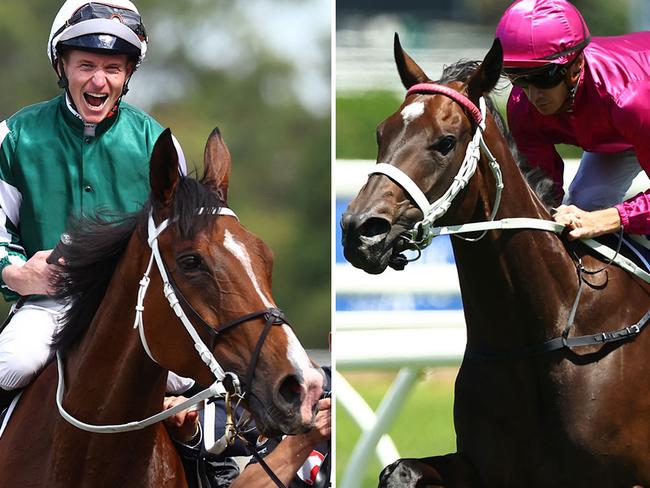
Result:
x=486 y=77
x=410 y=73
x=217 y=164
x=164 y=174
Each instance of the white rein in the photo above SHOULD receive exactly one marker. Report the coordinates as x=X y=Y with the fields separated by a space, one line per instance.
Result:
x=420 y=236
x=216 y=389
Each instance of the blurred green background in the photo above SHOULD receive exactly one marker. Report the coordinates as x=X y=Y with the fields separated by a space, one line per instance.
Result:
x=259 y=70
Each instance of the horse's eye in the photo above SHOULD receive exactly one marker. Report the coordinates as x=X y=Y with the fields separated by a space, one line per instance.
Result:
x=445 y=145
x=190 y=262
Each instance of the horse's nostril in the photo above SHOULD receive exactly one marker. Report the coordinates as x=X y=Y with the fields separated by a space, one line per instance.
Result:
x=290 y=390
x=374 y=227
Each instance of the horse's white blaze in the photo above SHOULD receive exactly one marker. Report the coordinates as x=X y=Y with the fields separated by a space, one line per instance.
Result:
x=240 y=252
x=412 y=111
x=295 y=352
x=312 y=386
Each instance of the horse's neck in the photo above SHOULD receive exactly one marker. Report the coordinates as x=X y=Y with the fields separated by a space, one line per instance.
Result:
x=110 y=378
x=512 y=281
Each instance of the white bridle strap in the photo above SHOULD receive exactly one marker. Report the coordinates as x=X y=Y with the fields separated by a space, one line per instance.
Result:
x=503 y=224
x=204 y=353
x=421 y=234
x=617 y=258
x=216 y=389
x=405 y=181
x=524 y=223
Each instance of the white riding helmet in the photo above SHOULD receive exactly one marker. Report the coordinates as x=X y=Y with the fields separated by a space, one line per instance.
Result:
x=112 y=26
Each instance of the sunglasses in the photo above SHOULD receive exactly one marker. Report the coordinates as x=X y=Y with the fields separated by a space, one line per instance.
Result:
x=98 y=11
x=545 y=77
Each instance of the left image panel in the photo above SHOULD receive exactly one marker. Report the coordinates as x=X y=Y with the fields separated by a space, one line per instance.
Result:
x=165 y=243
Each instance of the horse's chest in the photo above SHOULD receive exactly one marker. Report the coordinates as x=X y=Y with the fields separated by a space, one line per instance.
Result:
x=520 y=423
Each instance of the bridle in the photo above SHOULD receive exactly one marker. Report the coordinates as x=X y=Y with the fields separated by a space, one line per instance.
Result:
x=422 y=232
x=420 y=236
x=226 y=383
x=272 y=316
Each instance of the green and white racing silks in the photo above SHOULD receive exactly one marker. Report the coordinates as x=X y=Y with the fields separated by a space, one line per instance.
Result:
x=50 y=171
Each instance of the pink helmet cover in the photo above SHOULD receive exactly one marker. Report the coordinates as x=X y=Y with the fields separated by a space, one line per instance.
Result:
x=538 y=32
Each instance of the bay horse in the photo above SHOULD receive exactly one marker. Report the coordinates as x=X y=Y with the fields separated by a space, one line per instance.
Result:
x=224 y=274
x=565 y=418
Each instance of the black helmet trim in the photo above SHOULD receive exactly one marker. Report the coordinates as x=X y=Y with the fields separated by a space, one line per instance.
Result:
x=102 y=43
x=103 y=26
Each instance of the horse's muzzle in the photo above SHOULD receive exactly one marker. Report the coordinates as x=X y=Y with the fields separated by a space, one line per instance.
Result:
x=366 y=241
x=293 y=406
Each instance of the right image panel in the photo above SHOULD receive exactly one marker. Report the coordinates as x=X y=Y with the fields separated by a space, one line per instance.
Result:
x=491 y=274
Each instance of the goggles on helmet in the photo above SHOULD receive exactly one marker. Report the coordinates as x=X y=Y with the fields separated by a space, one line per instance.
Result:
x=100 y=11
x=547 y=76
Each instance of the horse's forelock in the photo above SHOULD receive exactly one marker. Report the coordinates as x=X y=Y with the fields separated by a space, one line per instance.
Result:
x=97 y=244
x=191 y=196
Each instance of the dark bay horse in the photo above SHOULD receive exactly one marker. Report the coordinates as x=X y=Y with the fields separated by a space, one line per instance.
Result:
x=224 y=273
x=566 y=418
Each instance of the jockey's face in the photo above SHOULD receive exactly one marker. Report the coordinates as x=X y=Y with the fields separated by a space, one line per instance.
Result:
x=95 y=82
x=548 y=101
x=553 y=100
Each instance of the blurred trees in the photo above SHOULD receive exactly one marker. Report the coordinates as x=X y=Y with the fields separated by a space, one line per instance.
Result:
x=209 y=65
x=604 y=17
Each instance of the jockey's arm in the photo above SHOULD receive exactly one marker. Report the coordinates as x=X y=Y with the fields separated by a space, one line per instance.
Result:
x=631 y=116
x=34 y=277
x=632 y=120
x=289 y=455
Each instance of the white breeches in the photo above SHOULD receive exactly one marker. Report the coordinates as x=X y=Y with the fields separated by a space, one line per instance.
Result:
x=25 y=343
x=25 y=346
x=602 y=179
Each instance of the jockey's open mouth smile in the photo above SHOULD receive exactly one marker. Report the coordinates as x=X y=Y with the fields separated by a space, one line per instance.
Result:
x=95 y=82
x=95 y=101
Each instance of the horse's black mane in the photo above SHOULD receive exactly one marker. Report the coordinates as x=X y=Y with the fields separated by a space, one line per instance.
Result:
x=541 y=183
x=97 y=244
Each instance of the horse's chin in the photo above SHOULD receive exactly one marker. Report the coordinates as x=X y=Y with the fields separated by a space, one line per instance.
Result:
x=369 y=262
x=375 y=257
x=273 y=429
x=273 y=422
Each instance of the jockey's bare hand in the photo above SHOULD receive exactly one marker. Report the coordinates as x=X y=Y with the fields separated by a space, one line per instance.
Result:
x=583 y=224
x=32 y=278
x=323 y=423
x=290 y=453
x=184 y=425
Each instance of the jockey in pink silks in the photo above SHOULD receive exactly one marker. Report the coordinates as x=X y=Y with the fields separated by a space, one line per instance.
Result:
x=593 y=93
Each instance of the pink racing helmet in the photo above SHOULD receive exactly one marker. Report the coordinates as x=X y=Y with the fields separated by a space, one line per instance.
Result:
x=538 y=32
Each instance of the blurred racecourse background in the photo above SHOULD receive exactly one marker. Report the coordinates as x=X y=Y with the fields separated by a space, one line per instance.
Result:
x=260 y=70
x=376 y=314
